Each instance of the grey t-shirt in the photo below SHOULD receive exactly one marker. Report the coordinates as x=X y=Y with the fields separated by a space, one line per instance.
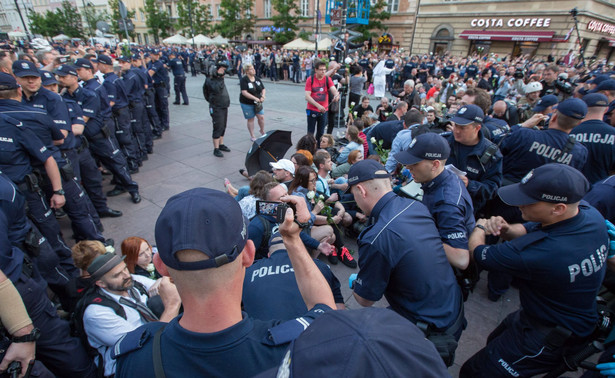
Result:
x=356 y=84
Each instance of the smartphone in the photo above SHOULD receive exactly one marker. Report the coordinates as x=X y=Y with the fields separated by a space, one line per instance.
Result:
x=274 y=209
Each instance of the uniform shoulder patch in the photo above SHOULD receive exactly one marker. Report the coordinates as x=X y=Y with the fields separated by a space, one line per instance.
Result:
x=135 y=340
x=11 y=120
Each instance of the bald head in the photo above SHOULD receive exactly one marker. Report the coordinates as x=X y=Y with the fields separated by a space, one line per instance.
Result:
x=499 y=108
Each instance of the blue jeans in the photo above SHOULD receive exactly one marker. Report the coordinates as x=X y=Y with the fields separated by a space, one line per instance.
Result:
x=316 y=121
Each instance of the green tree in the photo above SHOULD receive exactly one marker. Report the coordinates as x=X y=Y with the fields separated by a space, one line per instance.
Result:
x=202 y=18
x=117 y=26
x=377 y=14
x=91 y=17
x=285 y=19
x=237 y=18
x=158 y=22
x=69 y=20
x=39 y=23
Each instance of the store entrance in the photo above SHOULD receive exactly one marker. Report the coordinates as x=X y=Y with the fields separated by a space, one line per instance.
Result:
x=440 y=49
x=525 y=48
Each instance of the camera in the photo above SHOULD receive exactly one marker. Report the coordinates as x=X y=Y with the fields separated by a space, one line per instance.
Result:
x=519 y=73
x=274 y=209
x=564 y=86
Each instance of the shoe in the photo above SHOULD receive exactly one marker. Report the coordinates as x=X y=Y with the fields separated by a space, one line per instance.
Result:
x=252 y=139
x=134 y=170
x=156 y=137
x=176 y=103
x=244 y=173
x=109 y=243
x=136 y=198
x=115 y=192
x=333 y=257
x=224 y=148
x=346 y=258
x=165 y=128
x=60 y=213
x=144 y=157
x=150 y=150
x=218 y=153
x=493 y=297
x=109 y=213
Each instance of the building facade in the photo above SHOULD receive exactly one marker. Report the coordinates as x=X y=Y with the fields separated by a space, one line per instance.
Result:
x=9 y=16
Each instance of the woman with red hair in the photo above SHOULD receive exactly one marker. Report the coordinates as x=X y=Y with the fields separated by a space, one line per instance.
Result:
x=138 y=254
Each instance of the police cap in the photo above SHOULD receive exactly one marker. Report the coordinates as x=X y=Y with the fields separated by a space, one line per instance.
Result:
x=83 y=63
x=7 y=82
x=468 y=114
x=596 y=100
x=365 y=170
x=23 y=68
x=545 y=102
x=573 y=108
x=48 y=78
x=66 y=69
x=429 y=146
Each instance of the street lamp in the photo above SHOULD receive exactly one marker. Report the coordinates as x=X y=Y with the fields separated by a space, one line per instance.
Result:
x=25 y=29
x=574 y=12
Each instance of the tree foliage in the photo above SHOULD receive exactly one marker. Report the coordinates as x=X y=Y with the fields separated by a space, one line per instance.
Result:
x=285 y=20
x=202 y=19
x=64 y=20
x=237 y=18
x=91 y=16
x=158 y=21
x=377 y=14
x=117 y=26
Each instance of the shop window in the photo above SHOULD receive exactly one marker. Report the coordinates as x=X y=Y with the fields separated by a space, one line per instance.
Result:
x=479 y=47
x=602 y=44
x=525 y=48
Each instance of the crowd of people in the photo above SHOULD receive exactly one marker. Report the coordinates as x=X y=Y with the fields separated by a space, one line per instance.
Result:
x=467 y=164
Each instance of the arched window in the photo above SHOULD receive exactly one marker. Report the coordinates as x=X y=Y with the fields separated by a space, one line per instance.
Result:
x=442 y=39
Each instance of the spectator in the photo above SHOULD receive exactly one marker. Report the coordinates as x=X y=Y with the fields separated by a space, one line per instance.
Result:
x=139 y=257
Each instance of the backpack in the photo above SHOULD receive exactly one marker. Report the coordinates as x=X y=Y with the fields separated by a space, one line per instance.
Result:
x=93 y=296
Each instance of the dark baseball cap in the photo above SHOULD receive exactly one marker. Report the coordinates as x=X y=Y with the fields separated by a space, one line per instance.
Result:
x=365 y=170
x=136 y=57
x=47 y=78
x=373 y=342
x=23 y=68
x=468 y=114
x=429 y=146
x=573 y=108
x=83 y=63
x=599 y=79
x=554 y=183
x=66 y=69
x=104 y=59
x=596 y=100
x=205 y=220
x=103 y=264
x=545 y=102
x=607 y=85
x=7 y=81
x=124 y=58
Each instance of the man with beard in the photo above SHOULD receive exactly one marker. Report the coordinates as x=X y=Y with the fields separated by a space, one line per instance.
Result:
x=117 y=304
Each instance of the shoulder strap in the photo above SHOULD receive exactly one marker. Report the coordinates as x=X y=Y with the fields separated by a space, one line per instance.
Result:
x=140 y=287
x=157 y=354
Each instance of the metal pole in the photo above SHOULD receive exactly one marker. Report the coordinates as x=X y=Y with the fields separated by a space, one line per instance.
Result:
x=344 y=15
x=190 y=16
x=574 y=12
x=126 y=30
x=416 y=16
x=317 y=4
x=22 y=21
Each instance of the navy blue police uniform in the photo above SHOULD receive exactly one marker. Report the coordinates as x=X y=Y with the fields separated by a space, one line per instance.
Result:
x=149 y=97
x=160 y=77
x=270 y=289
x=60 y=353
x=135 y=89
x=385 y=132
x=599 y=139
x=602 y=197
x=471 y=71
x=179 y=80
x=389 y=63
x=559 y=269
x=261 y=228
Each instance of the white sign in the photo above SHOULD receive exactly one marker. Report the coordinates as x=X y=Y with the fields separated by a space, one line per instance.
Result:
x=511 y=23
x=601 y=27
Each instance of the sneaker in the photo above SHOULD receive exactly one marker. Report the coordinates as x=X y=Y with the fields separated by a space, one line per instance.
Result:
x=333 y=257
x=346 y=258
x=224 y=148
x=218 y=153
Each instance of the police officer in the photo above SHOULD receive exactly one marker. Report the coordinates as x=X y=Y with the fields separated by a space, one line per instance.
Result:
x=192 y=60
x=154 y=130
x=602 y=197
x=270 y=288
x=607 y=88
x=59 y=352
x=444 y=194
x=216 y=94
x=558 y=258
x=135 y=89
x=118 y=99
x=179 y=78
x=474 y=154
x=211 y=271
x=419 y=286
x=102 y=144
x=598 y=137
x=160 y=76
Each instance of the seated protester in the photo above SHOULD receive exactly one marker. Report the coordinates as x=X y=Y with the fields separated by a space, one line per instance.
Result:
x=355 y=143
x=384 y=109
x=270 y=289
x=400 y=109
x=307 y=142
x=341 y=170
x=116 y=303
x=325 y=185
x=203 y=244
x=283 y=171
x=139 y=257
x=444 y=194
x=262 y=226
x=358 y=111
x=302 y=157
x=248 y=203
x=328 y=143
x=361 y=124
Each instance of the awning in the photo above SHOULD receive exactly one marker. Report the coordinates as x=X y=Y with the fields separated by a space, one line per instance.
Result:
x=502 y=35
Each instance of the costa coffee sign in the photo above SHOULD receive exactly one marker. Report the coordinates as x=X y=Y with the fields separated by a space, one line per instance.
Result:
x=601 y=27
x=511 y=23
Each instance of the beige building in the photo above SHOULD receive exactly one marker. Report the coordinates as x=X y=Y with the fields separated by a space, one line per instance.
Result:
x=514 y=27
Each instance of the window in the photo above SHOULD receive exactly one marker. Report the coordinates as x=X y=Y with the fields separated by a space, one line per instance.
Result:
x=142 y=16
x=305 y=8
x=393 y=6
x=267 y=8
x=170 y=11
x=218 y=12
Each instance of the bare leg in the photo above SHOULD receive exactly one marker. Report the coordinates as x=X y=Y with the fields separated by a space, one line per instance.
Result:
x=251 y=127
x=261 y=123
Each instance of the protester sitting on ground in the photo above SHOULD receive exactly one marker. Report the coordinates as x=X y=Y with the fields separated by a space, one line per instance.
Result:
x=328 y=143
x=139 y=257
x=355 y=143
x=307 y=142
x=341 y=170
x=308 y=156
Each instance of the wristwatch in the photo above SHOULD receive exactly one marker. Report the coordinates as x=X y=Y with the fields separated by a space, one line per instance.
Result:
x=60 y=192
x=481 y=227
x=32 y=336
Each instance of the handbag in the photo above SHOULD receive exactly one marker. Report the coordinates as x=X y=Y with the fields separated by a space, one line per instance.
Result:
x=258 y=107
x=370 y=89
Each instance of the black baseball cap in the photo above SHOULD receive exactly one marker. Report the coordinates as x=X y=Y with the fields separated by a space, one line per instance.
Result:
x=429 y=146
x=468 y=114
x=83 y=63
x=24 y=68
x=573 y=108
x=365 y=170
x=66 y=69
x=554 y=183
x=7 y=81
x=47 y=78
x=205 y=220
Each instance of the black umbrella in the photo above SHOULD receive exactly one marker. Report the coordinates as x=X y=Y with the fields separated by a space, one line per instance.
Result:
x=269 y=148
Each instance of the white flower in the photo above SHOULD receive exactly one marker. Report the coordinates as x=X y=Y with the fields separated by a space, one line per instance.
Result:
x=352 y=103
x=311 y=194
x=373 y=140
x=150 y=268
x=109 y=249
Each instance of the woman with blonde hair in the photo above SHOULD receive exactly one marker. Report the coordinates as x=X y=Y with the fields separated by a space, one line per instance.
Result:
x=251 y=99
